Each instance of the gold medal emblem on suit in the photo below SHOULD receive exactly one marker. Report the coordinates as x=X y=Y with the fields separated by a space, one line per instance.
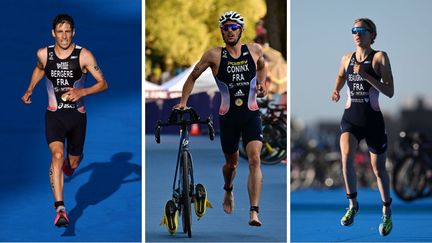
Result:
x=238 y=102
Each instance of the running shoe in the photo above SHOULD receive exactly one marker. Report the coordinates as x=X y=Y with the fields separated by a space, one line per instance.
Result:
x=200 y=201
x=348 y=218
x=386 y=226
x=61 y=219
x=67 y=169
x=170 y=218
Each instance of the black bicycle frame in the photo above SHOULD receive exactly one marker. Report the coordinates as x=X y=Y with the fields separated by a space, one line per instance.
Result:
x=183 y=147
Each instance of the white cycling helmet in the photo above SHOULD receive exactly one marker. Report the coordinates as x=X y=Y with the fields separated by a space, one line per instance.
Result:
x=233 y=16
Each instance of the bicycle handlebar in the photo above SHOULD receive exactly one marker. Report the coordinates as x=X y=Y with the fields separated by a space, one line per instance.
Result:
x=183 y=118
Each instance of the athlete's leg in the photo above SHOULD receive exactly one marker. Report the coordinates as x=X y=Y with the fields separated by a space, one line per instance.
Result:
x=383 y=181
x=253 y=149
x=75 y=143
x=55 y=173
x=229 y=172
x=378 y=166
x=348 y=146
x=74 y=160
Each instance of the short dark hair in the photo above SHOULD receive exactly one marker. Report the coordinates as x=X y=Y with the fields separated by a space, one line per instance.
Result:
x=61 y=19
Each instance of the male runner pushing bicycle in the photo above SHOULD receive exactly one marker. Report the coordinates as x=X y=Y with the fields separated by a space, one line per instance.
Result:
x=239 y=71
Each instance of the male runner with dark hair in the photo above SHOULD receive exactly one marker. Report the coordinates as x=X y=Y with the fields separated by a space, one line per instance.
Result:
x=65 y=66
x=239 y=70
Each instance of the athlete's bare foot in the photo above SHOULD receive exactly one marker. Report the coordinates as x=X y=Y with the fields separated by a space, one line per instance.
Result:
x=253 y=219
x=228 y=202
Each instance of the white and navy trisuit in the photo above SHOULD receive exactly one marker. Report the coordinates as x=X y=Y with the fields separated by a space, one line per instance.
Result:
x=65 y=120
x=362 y=116
x=238 y=112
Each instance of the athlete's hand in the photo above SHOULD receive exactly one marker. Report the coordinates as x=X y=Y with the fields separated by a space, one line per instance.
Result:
x=261 y=91
x=180 y=106
x=357 y=68
x=74 y=94
x=26 y=97
x=335 y=96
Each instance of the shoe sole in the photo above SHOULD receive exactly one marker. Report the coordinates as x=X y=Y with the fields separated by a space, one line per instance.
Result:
x=381 y=230
x=200 y=200
x=346 y=225
x=171 y=219
x=62 y=222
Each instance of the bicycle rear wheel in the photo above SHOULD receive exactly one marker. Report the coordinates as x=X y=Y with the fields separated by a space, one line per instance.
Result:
x=186 y=196
x=274 y=143
x=409 y=178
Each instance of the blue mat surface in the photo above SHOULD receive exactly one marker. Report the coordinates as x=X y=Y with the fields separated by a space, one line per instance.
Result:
x=315 y=217
x=215 y=226
x=103 y=198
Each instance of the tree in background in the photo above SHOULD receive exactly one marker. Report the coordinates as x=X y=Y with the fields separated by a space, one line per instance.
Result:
x=180 y=31
x=276 y=25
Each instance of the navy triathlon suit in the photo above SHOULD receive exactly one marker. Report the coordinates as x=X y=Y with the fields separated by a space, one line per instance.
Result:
x=65 y=120
x=238 y=112
x=362 y=116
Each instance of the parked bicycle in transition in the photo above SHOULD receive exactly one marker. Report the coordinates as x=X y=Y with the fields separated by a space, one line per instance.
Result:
x=412 y=172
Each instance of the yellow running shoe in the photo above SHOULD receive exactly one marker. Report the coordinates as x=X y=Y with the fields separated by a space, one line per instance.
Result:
x=200 y=201
x=170 y=218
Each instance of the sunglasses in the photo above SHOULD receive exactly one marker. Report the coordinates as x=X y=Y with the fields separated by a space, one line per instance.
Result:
x=359 y=30
x=233 y=27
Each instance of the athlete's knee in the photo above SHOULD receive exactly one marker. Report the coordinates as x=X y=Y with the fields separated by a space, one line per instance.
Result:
x=347 y=163
x=378 y=165
x=379 y=172
x=57 y=155
x=348 y=145
x=347 y=154
x=254 y=164
x=231 y=160
x=231 y=165
x=254 y=160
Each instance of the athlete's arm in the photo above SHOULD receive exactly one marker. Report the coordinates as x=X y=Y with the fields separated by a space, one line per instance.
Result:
x=37 y=75
x=261 y=72
x=381 y=65
x=207 y=60
x=340 y=78
x=88 y=62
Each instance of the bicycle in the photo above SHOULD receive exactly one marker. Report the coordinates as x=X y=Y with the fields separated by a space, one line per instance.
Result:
x=274 y=132
x=413 y=167
x=184 y=190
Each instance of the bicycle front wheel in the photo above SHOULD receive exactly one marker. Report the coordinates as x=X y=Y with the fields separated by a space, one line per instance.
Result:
x=186 y=196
